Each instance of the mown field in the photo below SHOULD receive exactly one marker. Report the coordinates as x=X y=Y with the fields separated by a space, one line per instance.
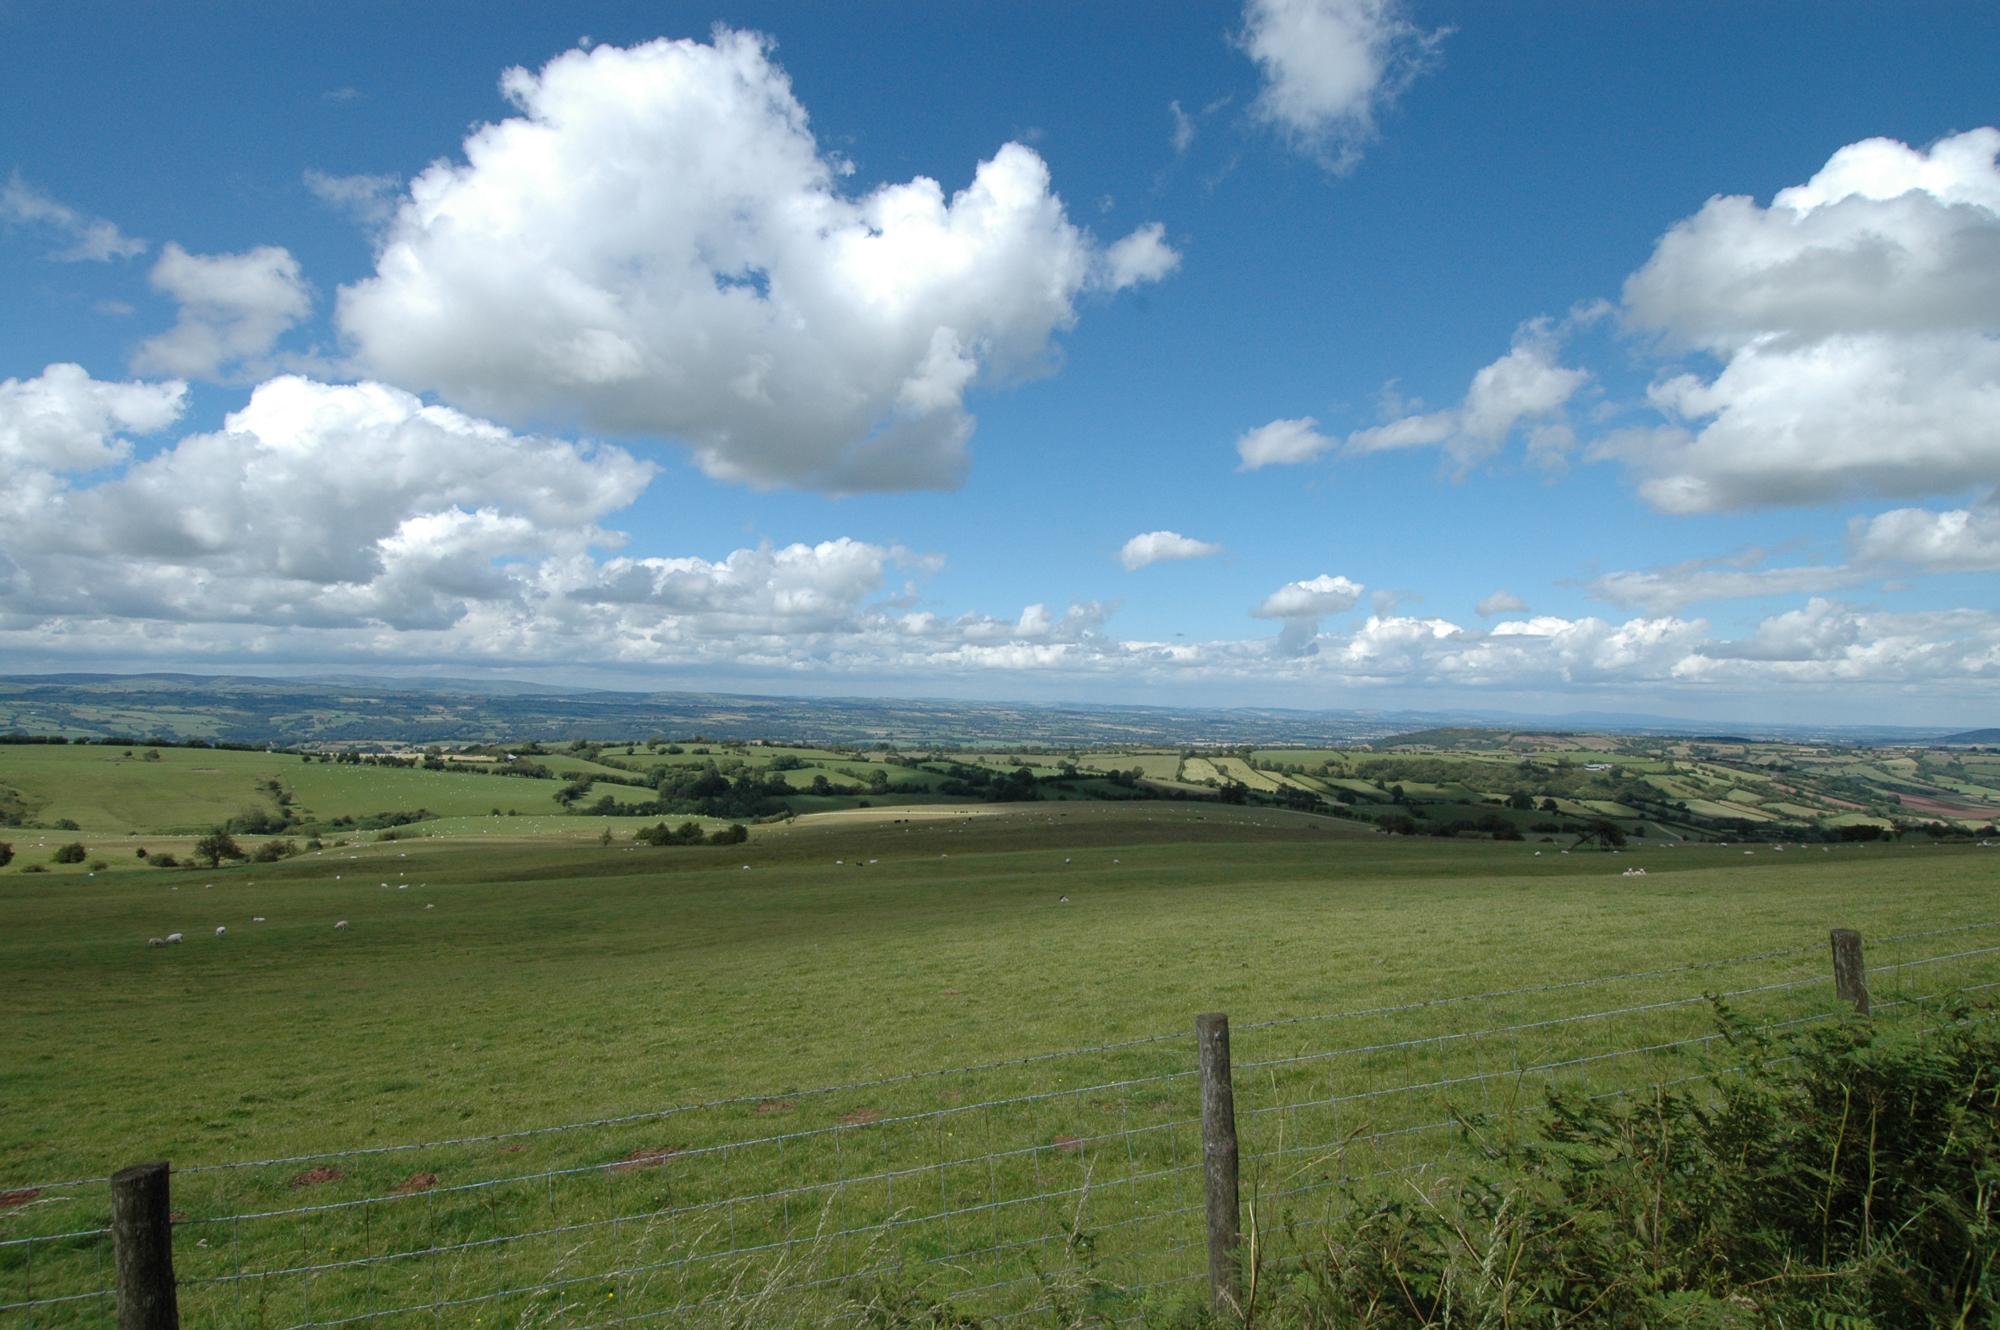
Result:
x=516 y=973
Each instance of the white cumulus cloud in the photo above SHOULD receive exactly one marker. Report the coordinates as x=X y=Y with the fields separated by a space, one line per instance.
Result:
x=1857 y=324
x=1958 y=540
x=1328 y=65
x=314 y=505
x=656 y=245
x=1322 y=595
x=1281 y=443
x=65 y=421
x=1159 y=546
x=1528 y=387
x=1143 y=256
x=234 y=307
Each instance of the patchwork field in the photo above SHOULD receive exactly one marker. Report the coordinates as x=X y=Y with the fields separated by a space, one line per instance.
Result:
x=764 y=1006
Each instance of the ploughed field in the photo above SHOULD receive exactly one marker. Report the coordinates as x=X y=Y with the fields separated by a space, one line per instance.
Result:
x=490 y=985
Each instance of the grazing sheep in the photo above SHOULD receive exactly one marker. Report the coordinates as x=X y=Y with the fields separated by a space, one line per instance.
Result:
x=156 y=942
x=173 y=937
x=341 y=927
x=219 y=931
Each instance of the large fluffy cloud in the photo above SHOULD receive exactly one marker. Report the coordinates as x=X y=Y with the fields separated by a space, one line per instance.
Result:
x=1328 y=65
x=64 y=422
x=314 y=505
x=656 y=245
x=1855 y=320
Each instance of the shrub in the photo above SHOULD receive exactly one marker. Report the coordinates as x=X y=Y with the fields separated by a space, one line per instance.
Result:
x=733 y=834
x=273 y=850
x=72 y=853
x=1842 y=1178
x=67 y=824
x=97 y=865
x=163 y=861
x=34 y=868
x=6 y=854
x=687 y=833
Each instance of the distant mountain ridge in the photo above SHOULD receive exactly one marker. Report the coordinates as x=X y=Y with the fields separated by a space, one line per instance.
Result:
x=354 y=708
x=1970 y=737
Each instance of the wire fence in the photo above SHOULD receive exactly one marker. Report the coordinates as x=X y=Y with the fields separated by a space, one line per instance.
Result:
x=1071 y=1179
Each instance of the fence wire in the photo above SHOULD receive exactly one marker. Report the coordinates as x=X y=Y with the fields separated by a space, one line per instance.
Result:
x=1068 y=1178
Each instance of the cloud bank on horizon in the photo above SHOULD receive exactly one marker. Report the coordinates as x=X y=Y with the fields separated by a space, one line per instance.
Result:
x=658 y=248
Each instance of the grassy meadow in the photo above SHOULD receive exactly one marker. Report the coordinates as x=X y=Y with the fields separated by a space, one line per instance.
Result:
x=504 y=974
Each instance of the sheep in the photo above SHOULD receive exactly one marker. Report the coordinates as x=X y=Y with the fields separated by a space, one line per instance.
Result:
x=220 y=930
x=340 y=927
x=173 y=937
x=156 y=942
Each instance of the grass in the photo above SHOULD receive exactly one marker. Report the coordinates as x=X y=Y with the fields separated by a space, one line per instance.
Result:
x=558 y=980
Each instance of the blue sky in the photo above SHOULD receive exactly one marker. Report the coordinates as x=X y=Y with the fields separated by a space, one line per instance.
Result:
x=665 y=366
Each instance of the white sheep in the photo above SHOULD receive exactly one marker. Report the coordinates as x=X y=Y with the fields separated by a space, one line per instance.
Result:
x=341 y=927
x=173 y=937
x=156 y=942
x=220 y=930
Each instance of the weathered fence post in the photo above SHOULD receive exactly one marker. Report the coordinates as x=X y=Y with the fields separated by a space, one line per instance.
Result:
x=142 y=1247
x=1218 y=1158
x=1850 y=978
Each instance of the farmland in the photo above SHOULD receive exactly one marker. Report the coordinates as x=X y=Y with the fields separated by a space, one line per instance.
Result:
x=514 y=961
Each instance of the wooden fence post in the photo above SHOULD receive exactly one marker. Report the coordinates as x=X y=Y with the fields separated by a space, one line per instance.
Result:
x=1850 y=978
x=1218 y=1157
x=142 y=1247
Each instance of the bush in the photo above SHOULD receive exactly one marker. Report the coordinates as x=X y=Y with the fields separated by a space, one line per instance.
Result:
x=271 y=851
x=1843 y=1178
x=733 y=834
x=72 y=853
x=6 y=854
x=97 y=865
x=67 y=824
x=163 y=861
x=687 y=833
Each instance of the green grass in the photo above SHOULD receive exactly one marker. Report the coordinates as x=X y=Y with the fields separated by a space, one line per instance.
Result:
x=557 y=980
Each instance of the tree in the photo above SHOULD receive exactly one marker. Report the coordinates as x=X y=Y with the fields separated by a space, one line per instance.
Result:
x=216 y=846
x=6 y=854
x=1604 y=832
x=72 y=853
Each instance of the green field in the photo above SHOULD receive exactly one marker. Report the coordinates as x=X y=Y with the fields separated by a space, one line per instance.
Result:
x=493 y=981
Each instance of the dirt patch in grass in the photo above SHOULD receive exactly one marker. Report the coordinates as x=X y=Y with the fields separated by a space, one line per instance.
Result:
x=313 y=1177
x=863 y=1115
x=1069 y=1144
x=646 y=1156
x=416 y=1182
x=10 y=1199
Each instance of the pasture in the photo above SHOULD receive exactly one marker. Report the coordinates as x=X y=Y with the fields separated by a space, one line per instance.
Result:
x=500 y=982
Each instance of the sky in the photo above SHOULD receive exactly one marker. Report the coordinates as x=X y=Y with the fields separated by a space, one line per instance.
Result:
x=1327 y=354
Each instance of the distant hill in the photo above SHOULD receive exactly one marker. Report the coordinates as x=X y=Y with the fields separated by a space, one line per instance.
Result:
x=1970 y=737
x=351 y=708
